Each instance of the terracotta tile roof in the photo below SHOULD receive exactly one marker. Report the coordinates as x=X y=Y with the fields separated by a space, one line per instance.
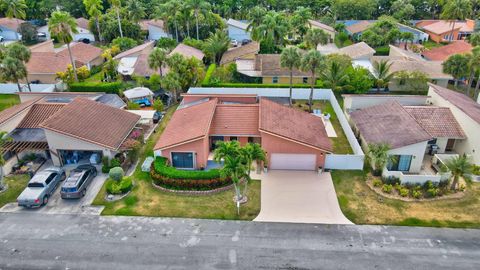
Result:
x=235 y=119
x=82 y=23
x=459 y=100
x=439 y=122
x=357 y=50
x=433 y=69
x=358 y=27
x=389 y=123
x=12 y=24
x=188 y=51
x=442 y=53
x=142 y=68
x=320 y=25
x=441 y=27
x=269 y=65
x=83 y=53
x=187 y=124
x=39 y=113
x=293 y=124
x=239 y=52
x=47 y=63
x=144 y=48
x=93 y=122
x=8 y=113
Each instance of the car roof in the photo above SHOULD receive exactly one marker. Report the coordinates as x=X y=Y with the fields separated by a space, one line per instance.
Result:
x=40 y=177
x=74 y=178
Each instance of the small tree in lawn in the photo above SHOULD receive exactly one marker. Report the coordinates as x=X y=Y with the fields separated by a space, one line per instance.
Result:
x=252 y=152
x=378 y=156
x=290 y=58
x=459 y=167
x=235 y=169
x=312 y=62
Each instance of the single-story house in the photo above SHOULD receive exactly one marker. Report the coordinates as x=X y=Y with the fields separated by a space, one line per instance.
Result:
x=138 y=93
x=441 y=30
x=418 y=35
x=355 y=29
x=9 y=28
x=268 y=67
x=357 y=51
x=467 y=113
x=237 y=30
x=135 y=60
x=442 y=53
x=292 y=139
x=156 y=29
x=410 y=131
x=86 y=54
x=326 y=28
x=245 y=52
x=188 y=52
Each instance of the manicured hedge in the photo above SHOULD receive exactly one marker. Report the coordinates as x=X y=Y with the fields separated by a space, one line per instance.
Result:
x=208 y=75
x=260 y=85
x=122 y=187
x=111 y=88
x=169 y=177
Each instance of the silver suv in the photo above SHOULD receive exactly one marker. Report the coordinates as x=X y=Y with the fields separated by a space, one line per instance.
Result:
x=75 y=186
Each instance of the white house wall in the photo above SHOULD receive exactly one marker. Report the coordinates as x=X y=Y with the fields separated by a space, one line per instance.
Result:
x=237 y=33
x=416 y=150
x=356 y=102
x=8 y=34
x=156 y=33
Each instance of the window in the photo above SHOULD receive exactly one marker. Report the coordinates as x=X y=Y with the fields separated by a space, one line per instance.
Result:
x=250 y=139
x=84 y=178
x=233 y=138
x=50 y=178
x=182 y=160
x=400 y=163
x=305 y=79
x=434 y=141
x=275 y=80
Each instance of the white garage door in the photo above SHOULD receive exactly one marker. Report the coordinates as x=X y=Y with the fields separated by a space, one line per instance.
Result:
x=293 y=161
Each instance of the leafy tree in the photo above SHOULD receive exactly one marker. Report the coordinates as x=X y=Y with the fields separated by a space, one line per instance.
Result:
x=384 y=31
x=382 y=73
x=13 y=70
x=110 y=29
x=110 y=66
x=378 y=157
x=406 y=37
x=124 y=43
x=355 y=9
x=316 y=36
x=255 y=17
x=198 y=6
x=290 y=58
x=299 y=21
x=216 y=45
x=312 y=62
x=342 y=37
x=476 y=67
x=272 y=31
x=133 y=106
x=68 y=76
x=170 y=12
x=359 y=80
x=3 y=140
x=14 y=9
x=61 y=26
x=21 y=53
x=28 y=32
x=158 y=105
x=474 y=39
x=402 y=10
x=334 y=75
x=459 y=167
x=412 y=80
x=157 y=59
x=456 y=10
x=116 y=5
x=172 y=83
x=136 y=11
x=343 y=60
x=166 y=43
x=457 y=66
x=94 y=9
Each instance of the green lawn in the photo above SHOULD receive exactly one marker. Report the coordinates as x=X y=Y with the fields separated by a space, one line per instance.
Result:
x=430 y=45
x=145 y=200
x=8 y=100
x=16 y=184
x=363 y=206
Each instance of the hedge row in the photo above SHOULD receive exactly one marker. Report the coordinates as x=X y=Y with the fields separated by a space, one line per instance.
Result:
x=208 y=75
x=259 y=85
x=110 y=88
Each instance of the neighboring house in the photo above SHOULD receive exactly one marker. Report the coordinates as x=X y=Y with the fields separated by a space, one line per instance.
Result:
x=418 y=36
x=66 y=127
x=46 y=46
x=156 y=29
x=237 y=30
x=135 y=60
x=441 y=30
x=357 y=51
x=86 y=54
x=292 y=139
x=9 y=28
x=442 y=53
x=356 y=28
x=268 y=67
x=138 y=93
x=467 y=113
x=188 y=52
x=83 y=29
x=245 y=52
x=327 y=28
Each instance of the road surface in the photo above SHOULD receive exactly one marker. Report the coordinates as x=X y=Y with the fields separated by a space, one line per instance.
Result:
x=37 y=241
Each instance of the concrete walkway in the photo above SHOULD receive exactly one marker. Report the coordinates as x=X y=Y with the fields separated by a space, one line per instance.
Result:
x=299 y=197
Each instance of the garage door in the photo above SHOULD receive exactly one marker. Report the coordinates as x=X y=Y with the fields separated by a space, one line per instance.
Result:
x=293 y=161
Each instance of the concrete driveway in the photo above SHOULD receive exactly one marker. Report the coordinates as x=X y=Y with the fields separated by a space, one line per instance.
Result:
x=299 y=197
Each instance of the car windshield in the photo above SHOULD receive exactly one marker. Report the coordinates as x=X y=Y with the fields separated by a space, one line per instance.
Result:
x=35 y=185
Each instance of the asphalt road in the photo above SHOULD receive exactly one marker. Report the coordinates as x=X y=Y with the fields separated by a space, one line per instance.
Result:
x=37 y=241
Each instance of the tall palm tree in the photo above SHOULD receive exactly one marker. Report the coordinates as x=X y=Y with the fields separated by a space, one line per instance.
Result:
x=255 y=16
x=316 y=36
x=476 y=52
x=94 y=9
x=116 y=5
x=456 y=10
x=299 y=21
x=272 y=30
x=13 y=70
x=334 y=74
x=136 y=11
x=62 y=25
x=457 y=66
x=216 y=45
x=172 y=83
x=378 y=156
x=234 y=169
x=312 y=62
x=290 y=58
x=382 y=73
x=459 y=167
x=157 y=59
x=22 y=53
x=170 y=11
x=198 y=7
x=3 y=139
x=14 y=9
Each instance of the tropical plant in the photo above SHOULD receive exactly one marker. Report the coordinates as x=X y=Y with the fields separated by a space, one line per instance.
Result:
x=475 y=58
x=334 y=75
x=3 y=139
x=474 y=39
x=359 y=80
x=157 y=59
x=456 y=10
x=13 y=70
x=457 y=66
x=216 y=45
x=255 y=16
x=312 y=62
x=406 y=37
x=253 y=152
x=412 y=80
x=170 y=11
x=28 y=32
x=136 y=10
x=124 y=43
x=198 y=6
x=382 y=73
x=459 y=167
x=378 y=156
x=316 y=36
x=172 y=83
x=68 y=77
x=94 y=9
x=116 y=5
x=61 y=26
x=23 y=54
x=234 y=169
x=299 y=21
x=158 y=105
x=226 y=149
x=290 y=58
x=272 y=31
x=14 y=9
x=402 y=10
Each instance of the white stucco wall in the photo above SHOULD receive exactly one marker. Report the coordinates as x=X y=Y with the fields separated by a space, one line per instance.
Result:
x=416 y=150
x=9 y=34
x=237 y=33
x=356 y=102
x=156 y=33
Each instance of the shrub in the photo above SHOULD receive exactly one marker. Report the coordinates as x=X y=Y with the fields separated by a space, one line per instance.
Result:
x=261 y=85
x=416 y=194
x=133 y=106
x=432 y=192
x=387 y=188
x=391 y=180
x=384 y=50
x=476 y=169
x=377 y=182
x=116 y=173
x=208 y=75
x=131 y=200
x=119 y=187
x=404 y=192
x=115 y=162
x=166 y=43
x=110 y=88
x=124 y=43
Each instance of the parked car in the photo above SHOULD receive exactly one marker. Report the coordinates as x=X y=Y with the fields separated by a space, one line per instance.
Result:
x=234 y=43
x=75 y=186
x=246 y=41
x=41 y=187
x=157 y=117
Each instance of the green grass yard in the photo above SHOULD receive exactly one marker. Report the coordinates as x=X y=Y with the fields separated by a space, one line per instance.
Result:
x=16 y=184
x=8 y=100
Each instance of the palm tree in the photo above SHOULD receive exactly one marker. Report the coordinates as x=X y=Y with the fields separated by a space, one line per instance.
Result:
x=157 y=59
x=170 y=11
x=234 y=169
x=198 y=7
x=334 y=74
x=226 y=149
x=311 y=62
x=290 y=58
x=22 y=53
x=473 y=67
x=3 y=139
x=382 y=73
x=255 y=17
x=316 y=36
x=458 y=167
x=378 y=157
x=457 y=66
x=272 y=30
x=407 y=36
x=299 y=21
x=136 y=11
x=116 y=5
x=253 y=152
x=61 y=26
x=456 y=10
x=14 y=9
x=216 y=45
x=186 y=14
x=476 y=52
x=172 y=83
x=13 y=70
x=94 y=9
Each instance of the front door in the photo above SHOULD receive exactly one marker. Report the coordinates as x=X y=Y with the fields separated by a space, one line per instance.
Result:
x=182 y=160
x=450 y=145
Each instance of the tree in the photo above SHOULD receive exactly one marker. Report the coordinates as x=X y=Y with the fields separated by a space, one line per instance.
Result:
x=402 y=10
x=226 y=149
x=94 y=9
x=359 y=80
x=14 y=9
x=252 y=152
x=407 y=36
x=110 y=30
x=255 y=16
x=476 y=53
x=28 y=32
x=271 y=32
x=382 y=73
x=458 y=167
x=13 y=70
x=61 y=26
x=474 y=39
x=299 y=21
x=378 y=156
x=136 y=11
x=412 y=80
x=456 y=10
x=124 y=43
x=23 y=54
x=157 y=59
x=354 y=9
x=158 y=105
x=316 y=36
x=110 y=66
x=457 y=66
x=334 y=75
x=116 y=5
x=312 y=62
x=3 y=140
x=216 y=45
x=473 y=67
x=198 y=6
x=68 y=77
x=290 y=58
x=171 y=82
